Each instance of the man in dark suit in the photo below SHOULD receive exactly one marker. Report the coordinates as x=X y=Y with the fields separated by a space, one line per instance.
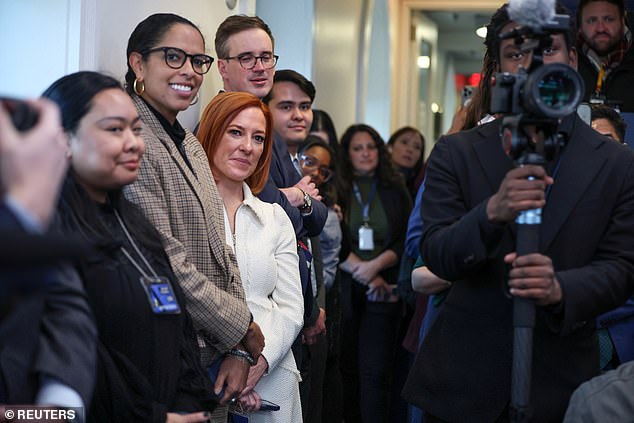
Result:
x=290 y=101
x=473 y=193
x=47 y=352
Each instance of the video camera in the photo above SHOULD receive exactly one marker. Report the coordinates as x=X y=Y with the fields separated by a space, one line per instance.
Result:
x=23 y=116
x=536 y=97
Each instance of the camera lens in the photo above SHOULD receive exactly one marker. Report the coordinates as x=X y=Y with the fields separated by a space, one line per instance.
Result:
x=553 y=90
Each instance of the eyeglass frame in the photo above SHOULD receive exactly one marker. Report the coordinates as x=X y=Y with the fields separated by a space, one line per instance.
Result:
x=255 y=60
x=302 y=159
x=187 y=56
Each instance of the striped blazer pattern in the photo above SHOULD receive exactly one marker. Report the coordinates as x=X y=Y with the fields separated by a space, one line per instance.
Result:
x=187 y=210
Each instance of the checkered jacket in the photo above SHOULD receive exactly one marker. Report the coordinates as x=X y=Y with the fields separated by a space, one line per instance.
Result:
x=187 y=211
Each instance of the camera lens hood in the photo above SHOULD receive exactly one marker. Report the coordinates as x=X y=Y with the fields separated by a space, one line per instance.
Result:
x=553 y=90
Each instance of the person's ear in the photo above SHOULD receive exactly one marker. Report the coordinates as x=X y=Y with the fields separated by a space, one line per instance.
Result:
x=135 y=60
x=222 y=68
x=572 y=57
x=71 y=140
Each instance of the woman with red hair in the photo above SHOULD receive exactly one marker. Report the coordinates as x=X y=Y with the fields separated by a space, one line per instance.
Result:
x=237 y=135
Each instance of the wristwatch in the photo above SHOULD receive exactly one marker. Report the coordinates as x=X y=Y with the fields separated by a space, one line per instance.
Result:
x=307 y=207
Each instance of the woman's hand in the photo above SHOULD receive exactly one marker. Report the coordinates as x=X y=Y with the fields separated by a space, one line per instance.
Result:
x=381 y=291
x=233 y=372
x=250 y=401
x=255 y=374
x=364 y=271
x=187 y=418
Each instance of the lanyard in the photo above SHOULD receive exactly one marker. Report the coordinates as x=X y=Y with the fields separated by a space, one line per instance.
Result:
x=365 y=208
x=600 y=79
x=125 y=252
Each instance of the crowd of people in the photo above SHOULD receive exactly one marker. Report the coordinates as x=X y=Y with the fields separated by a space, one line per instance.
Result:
x=262 y=268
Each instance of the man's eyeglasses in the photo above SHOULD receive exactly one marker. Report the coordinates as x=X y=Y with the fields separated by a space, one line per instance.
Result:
x=175 y=58
x=248 y=61
x=310 y=163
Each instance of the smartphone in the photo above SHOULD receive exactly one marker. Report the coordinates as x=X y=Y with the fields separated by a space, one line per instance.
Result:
x=269 y=406
x=23 y=116
x=467 y=94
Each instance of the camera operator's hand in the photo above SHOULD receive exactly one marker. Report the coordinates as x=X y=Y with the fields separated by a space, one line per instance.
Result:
x=517 y=193
x=33 y=163
x=533 y=276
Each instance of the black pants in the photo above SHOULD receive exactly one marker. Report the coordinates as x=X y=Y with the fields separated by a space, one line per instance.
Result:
x=369 y=336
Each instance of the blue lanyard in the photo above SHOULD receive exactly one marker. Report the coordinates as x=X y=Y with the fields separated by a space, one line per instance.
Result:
x=365 y=208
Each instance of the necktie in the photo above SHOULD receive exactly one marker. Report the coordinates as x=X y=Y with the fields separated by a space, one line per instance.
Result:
x=296 y=165
x=606 y=350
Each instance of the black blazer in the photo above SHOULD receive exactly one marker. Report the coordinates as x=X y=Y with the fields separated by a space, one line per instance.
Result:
x=463 y=370
x=282 y=174
x=49 y=332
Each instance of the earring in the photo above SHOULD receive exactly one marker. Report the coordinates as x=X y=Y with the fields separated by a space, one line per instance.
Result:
x=195 y=100
x=135 y=87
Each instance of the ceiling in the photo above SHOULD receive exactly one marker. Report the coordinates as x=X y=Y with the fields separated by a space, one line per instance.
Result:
x=456 y=35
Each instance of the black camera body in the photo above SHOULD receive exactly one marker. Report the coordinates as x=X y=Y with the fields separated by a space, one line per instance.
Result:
x=549 y=91
x=23 y=116
x=535 y=98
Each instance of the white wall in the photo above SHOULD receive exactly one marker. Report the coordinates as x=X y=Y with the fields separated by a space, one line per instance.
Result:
x=337 y=28
x=320 y=39
x=117 y=19
x=292 y=25
x=57 y=37
x=39 y=40
x=374 y=104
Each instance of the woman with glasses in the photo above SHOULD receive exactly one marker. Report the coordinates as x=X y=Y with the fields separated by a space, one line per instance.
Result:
x=376 y=207
x=237 y=134
x=148 y=360
x=317 y=160
x=177 y=193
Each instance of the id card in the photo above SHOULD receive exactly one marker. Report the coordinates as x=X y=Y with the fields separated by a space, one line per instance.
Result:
x=366 y=238
x=235 y=417
x=160 y=295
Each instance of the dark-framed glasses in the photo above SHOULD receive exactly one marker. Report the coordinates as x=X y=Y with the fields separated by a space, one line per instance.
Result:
x=175 y=58
x=310 y=163
x=248 y=61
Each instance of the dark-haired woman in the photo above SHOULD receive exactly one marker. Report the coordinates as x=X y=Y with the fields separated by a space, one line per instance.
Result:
x=376 y=208
x=407 y=152
x=324 y=128
x=148 y=362
x=176 y=191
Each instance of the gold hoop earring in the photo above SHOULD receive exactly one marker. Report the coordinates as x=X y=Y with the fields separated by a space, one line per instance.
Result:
x=135 y=87
x=195 y=100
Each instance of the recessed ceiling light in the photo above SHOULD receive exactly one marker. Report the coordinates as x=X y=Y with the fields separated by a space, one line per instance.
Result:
x=423 y=62
x=482 y=31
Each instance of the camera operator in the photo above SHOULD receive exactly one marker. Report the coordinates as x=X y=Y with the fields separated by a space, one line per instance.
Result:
x=473 y=193
x=47 y=347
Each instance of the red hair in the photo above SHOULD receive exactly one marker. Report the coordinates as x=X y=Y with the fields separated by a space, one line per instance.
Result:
x=218 y=114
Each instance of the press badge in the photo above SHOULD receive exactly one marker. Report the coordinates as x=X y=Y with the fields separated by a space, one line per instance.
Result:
x=366 y=238
x=160 y=294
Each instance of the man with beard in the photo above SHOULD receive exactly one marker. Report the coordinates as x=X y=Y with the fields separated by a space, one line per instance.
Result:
x=606 y=60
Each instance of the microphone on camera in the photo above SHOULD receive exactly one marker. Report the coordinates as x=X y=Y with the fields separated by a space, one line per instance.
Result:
x=534 y=14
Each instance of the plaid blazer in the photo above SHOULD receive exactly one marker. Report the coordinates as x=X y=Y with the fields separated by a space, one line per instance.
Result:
x=187 y=211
